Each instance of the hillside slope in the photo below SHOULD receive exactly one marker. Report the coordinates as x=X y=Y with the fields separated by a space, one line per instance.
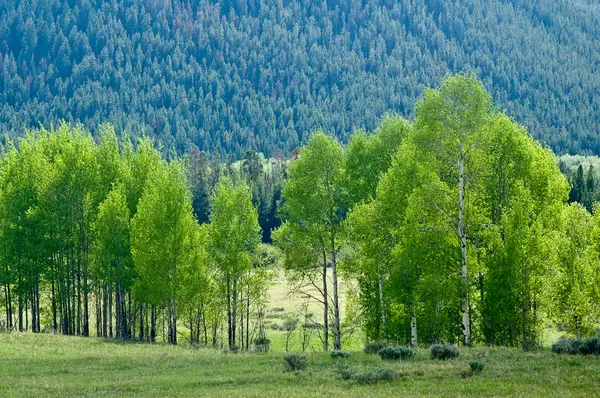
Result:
x=232 y=75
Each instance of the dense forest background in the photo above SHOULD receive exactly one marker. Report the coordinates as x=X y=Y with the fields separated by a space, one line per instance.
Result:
x=231 y=76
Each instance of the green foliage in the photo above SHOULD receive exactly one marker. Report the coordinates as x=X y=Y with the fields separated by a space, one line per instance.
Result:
x=444 y=351
x=589 y=346
x=394 y=353
x=295 y=362
x=373 y=348
x=340 y=354
x=476 y=366
x=194 y=82
x=369 y=375
x=314 y=209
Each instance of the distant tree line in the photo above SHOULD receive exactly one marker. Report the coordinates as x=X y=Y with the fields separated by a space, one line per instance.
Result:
x=227 y=76
x=457 y=227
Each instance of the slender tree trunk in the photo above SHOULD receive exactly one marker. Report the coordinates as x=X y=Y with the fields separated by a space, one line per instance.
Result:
x=79 y=295
x=86 y=312
x=234 y=311
x=248 y=318
x=97 y=298
x=53 y=299
x=105 y=311
x=130 y=317
x=141 y=322
x=413 y=325
x=204 y=327
x=174 y=321
x=169 y=332
x=20 y=309
x=33 y=309
x=27 y=313
x=242 y=319
x=153 y=326
x=9 y=311
x=464 y=301
x=382 y=302
x=37 y=294
x=215 y=328
x=229 y=321
x=325 y=305
x=336 y=306
x=86 y=306
x=110 y=305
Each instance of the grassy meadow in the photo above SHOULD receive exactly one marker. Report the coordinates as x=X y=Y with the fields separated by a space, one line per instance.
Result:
x=52 y=365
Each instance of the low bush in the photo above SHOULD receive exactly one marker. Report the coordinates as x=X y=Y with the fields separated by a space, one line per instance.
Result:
x=340 y=354
x=262 y=344
x=295 y=362
x=373 y=348
x=444 y=351
x=476 y=366
x=589 y=346
x=368 y=376
x=393 y=353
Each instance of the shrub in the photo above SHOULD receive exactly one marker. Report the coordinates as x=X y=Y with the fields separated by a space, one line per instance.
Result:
x=373 y=348
x=277 y=309
x=444 y=351
x=340 y=354
x=368 y=376
x=390 y=353
x=262 y=341
x=589 y=346
x=262 y=344
x=346 y=373
x=476 y=366
x=295 y=362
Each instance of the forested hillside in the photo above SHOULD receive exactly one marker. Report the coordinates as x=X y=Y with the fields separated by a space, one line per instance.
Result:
x=262 y=74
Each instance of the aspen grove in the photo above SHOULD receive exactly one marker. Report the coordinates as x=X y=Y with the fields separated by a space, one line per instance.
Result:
x=453 y=227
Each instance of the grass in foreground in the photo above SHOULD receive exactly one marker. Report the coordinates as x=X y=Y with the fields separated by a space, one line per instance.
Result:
x=49 y=365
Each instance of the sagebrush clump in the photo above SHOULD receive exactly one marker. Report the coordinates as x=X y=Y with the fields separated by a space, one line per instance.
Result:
x=390 y=353
x=476 y=366
x=589 y=346
x=444 y=351
x=373 y=348
x=368 y=376
x=340 y=354
x=295 y=363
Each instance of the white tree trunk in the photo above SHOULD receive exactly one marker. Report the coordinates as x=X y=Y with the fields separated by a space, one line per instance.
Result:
x=382 y=303
x=325 y=305
x=464 y=301
x=336 y=306
x=413 y=327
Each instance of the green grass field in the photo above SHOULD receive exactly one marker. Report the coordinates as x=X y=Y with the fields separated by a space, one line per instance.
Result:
x=51 y=365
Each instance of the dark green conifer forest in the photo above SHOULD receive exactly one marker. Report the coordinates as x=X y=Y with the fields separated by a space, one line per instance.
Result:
x=229 y=76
